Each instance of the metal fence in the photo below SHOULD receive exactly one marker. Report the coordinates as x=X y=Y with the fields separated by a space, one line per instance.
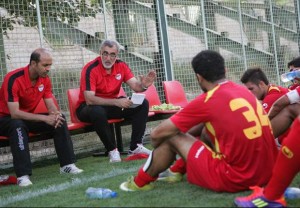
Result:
x=154 y=34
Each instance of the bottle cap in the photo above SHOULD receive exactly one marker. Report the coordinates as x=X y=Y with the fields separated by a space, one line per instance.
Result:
x=113 y=194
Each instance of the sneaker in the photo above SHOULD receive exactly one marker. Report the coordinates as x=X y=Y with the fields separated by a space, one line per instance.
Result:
x=114 y=156
x=24 y=181
x=71 y=168
x=257 y=199
x=139 y=150
x=130 y=185
x=169 y=176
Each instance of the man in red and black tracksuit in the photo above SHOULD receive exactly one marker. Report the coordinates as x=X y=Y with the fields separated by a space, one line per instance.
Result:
x=20 y=94
x=100 y=83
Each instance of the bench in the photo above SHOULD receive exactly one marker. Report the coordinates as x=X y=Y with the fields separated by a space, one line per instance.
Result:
x=75 y=126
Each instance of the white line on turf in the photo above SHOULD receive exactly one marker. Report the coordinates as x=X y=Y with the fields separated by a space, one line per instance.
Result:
x=60 y=187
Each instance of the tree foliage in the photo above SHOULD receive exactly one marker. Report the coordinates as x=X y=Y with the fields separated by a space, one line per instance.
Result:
x=24 y=12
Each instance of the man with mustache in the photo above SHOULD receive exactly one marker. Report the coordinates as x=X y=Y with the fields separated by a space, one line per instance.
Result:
x=20 y=94
x=100 y=83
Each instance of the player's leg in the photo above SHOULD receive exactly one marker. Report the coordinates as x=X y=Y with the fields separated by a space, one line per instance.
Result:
x=159 y=160
x=178 y=169
x=286 y=167
x=287 y=164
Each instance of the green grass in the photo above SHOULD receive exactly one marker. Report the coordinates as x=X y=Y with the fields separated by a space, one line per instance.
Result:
x=52 y=189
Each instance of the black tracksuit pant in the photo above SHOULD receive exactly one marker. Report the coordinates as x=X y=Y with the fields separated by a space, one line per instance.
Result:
x=99 y=115
x=18 y=133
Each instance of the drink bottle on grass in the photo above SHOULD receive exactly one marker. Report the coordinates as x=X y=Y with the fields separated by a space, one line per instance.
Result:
x=292 y=193
x=100 y=193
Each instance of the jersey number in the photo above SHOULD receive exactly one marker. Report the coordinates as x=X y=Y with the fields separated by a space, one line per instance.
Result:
x=261 y=120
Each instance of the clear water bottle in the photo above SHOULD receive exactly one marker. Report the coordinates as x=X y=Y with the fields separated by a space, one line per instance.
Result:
x=289 y=76
x=100 y=193
x=292 y=193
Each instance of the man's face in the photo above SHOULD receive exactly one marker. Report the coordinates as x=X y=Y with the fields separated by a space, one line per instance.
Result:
x=109 y=56
x=257 y=90
x=42 y=67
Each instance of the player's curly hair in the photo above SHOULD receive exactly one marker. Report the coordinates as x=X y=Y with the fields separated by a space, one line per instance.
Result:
x=210 y=65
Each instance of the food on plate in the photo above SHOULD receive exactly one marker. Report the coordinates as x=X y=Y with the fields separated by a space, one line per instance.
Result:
x=165 y=106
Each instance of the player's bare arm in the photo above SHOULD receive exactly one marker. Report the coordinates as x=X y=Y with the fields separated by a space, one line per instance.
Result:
x=278 y=105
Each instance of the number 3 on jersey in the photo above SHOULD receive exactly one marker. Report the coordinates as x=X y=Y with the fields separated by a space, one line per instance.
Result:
x=259 y=120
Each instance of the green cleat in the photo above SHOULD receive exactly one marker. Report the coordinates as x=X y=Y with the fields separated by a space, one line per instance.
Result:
x=169 y=176
x=130 y=185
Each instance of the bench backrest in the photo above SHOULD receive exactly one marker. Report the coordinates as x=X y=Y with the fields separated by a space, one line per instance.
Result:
x=174 y=93
x=152 y=96
x=73 y=97
x=41 y=107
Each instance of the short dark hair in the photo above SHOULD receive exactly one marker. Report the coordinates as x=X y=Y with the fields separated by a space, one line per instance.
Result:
x=295 y=62
x=35 y=56
x=254 y=75
x=210 y=65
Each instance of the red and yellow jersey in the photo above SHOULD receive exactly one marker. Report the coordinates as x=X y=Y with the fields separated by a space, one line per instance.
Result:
x=94 y=78
x=17 y=87
x=238 y=127
x=274 y=92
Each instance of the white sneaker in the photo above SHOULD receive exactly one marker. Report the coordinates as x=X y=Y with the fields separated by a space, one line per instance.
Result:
x=139 y=150
x=114 y=156
x=24 y=181
x=71 y=168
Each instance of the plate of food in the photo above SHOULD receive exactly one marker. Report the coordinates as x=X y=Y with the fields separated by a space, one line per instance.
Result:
x=165 y=108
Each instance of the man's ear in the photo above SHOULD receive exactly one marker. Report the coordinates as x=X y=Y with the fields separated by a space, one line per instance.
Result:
x=199 y=78
x=261 y=84
x=33 y=63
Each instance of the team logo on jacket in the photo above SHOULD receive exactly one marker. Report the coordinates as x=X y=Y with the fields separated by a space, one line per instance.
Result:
x=41 y=87
x=118 y=77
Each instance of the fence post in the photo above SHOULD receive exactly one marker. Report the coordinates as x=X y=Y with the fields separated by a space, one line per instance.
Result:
x=39 y=22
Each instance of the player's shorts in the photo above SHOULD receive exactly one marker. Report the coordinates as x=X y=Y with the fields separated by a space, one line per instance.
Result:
x=208 y=172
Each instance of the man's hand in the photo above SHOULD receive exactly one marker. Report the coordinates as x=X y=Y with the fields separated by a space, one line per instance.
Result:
x=123 y=103
x=148 y=80
x=55 y=119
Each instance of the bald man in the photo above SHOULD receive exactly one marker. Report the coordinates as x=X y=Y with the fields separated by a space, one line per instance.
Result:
x=20 y=93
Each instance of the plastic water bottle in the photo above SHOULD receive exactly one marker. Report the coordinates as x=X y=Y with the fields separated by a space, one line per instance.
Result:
x=289 y=76
x=100 y=193
x=292 y=193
